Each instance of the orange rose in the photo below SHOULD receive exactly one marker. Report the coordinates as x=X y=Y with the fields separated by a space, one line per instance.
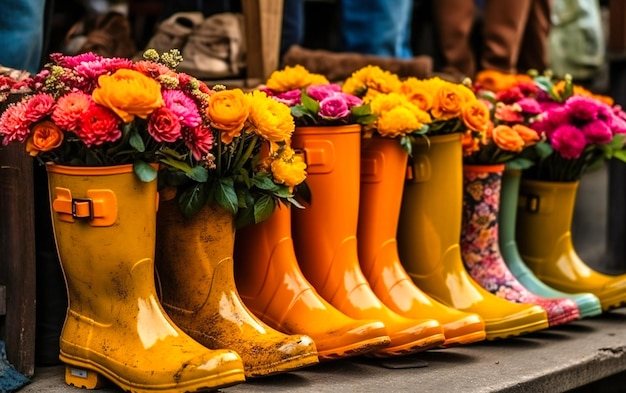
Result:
x=469 y=143
x=475 y=115
x=128 y=93
x=45 y=136
x=529 y=135
x=228 y=111
x=448 y=102
x=506 y=138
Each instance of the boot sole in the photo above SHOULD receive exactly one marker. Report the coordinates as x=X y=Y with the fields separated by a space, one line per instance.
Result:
x=431 y=342
x=517 y=330
x=86 y=374
x=356 y=349
x=291 y=364
x=464 y=339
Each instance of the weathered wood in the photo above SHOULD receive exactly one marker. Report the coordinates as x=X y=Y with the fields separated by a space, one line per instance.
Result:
x=263 y=21
x=3 y=300
x=17 y=251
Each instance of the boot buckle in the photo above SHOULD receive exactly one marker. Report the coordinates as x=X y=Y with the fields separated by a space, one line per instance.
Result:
x=99 y=207
x=530 y=202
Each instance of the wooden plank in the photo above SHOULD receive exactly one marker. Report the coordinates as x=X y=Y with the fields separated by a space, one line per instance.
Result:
x=263 y=20
x=17 y=247
x=617 y=28
x=3 y=300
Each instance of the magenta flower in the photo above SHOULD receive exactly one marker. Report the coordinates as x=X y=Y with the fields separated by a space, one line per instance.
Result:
x=164 y=125
x=321 y=91
x=183 y=107
x=334 y=107
x=568 y=141
x=529 y=105
x=289 y=98
x=597 y=132
x=582 y=108
x=351 y=100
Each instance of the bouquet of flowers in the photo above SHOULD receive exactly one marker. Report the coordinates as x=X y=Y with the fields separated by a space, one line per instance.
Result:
x=313 y=100
x=581 y=129
x=416 y=107
x=88 y=110
x=509 y=137
x=251 y=166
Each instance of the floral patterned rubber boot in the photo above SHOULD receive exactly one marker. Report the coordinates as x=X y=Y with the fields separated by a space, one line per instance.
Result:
x=480 y=249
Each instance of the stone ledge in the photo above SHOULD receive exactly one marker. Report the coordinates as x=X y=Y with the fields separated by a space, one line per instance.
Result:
x=555 y=360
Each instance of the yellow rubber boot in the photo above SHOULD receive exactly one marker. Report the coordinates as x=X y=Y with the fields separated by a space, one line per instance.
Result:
x=271 y=284
x=544 y=220
x=324 y=235
x=115 y=327
x=195 y=266
x=383 y=168
x=428 y=237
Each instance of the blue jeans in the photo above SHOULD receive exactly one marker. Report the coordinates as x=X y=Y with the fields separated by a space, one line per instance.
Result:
x=21 y=34
x=377 y=27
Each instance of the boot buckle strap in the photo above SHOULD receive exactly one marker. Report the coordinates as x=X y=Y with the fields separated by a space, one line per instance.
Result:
x=530 y=202
x=99 y=207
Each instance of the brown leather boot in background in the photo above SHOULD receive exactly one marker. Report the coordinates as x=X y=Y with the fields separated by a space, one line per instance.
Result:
x=338 y=66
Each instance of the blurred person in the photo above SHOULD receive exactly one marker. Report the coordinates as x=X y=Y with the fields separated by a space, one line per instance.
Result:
x=513 y=35
x=22 y=34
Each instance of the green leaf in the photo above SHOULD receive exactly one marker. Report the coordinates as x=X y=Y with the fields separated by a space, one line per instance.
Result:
x=519 y=163
x=310 y=104
x=298 y=111
x=144 y=171
x=264 y=182
x=406 y=144
x=263 y=208
x=620 y=155
x=225 y=194
x=193 y=199
x=199 y=174
x=282 y=191
x=543 y=149
x=136 y=142
x=172 y=177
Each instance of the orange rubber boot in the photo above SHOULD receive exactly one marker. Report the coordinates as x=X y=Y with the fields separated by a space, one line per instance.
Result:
x=428 y=237
x=324 y=235
x=543 y=234
x=104 y=221
x=195 y=266
x=383 y=169
x=271 y=284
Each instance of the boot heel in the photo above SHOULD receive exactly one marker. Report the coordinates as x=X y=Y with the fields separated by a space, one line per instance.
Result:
x=83 y=378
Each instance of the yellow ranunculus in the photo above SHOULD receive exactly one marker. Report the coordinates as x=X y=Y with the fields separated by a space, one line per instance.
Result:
x=289 y=169
x=270 y=119
x=398 y=121
x=228 y=111
x=449 y=101
x=291 y=78
x=417 y=93
x=371 y=80
x=128 y=93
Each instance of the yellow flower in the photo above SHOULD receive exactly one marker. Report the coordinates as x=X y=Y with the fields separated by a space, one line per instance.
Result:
x=288 y=168
x=128 y=93
x=291 y=78
x=417 y=92
x=449 y=100
x=396 y=115
x=228 y=111
x=46 y=136
x=269 y=118
x=369 y=81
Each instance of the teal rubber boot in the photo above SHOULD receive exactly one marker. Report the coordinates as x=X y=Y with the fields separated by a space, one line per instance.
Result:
x=588 y=303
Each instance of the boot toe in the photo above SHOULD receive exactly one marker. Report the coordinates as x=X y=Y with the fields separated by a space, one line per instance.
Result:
x=357 y=338
x=279 y=355
x=411 y=336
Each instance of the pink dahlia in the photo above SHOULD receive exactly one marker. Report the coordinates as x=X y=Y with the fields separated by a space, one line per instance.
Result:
x=289 y=98
x=13 y=124
x=334 y=107
x=199 y=140
x=38 y=107
x=597 y=132
x=164 y=125
x=183 y=107
x=70 y=108
x=98 y=125
x=568 y=141
x=321 y=91
x=582 y=108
